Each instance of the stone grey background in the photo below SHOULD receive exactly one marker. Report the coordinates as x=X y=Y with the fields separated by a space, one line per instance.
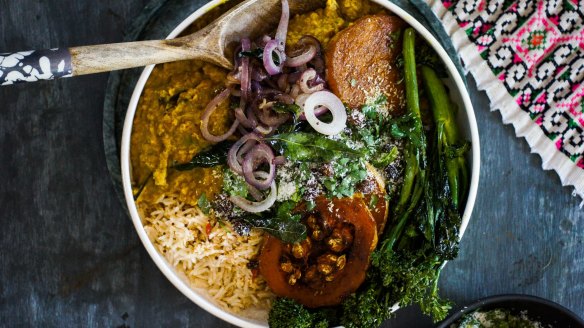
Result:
x=69 y=255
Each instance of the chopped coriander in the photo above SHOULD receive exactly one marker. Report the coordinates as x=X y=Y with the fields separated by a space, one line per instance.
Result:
x=346 y=175
x=371 y=110
x=386 y=158
x=233 y=184
x=285 y=210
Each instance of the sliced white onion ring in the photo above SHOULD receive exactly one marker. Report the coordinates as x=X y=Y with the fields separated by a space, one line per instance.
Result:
x=256 y=207
x=301 y=99
x=333 y=104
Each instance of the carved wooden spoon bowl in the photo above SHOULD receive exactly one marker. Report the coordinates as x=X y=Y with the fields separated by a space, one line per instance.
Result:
x=214 y=44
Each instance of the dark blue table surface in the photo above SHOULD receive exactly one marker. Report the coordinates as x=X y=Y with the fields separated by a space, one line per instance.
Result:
x=69 y=255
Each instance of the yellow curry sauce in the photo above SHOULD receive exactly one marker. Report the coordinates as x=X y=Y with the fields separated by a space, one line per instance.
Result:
x=166 y=129
x=325 y=23
x=167 y=122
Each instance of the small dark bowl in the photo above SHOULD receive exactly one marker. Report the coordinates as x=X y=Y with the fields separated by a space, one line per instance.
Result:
x=538 y=309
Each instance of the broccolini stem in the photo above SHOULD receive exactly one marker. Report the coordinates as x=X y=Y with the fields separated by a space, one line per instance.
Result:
x=410 y=76
x=409 y=178
x=416 y=149
x=449 y=135
x=415 y=155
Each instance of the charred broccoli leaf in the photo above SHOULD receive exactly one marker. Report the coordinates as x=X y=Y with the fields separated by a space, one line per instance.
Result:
x=287 y=313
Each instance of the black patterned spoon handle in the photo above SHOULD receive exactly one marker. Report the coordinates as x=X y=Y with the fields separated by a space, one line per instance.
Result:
x=36 y=65
x=30 y=66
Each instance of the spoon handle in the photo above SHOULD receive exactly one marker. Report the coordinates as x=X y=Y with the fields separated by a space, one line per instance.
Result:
x=36 y=65
x=111 y=57
x=30 y=66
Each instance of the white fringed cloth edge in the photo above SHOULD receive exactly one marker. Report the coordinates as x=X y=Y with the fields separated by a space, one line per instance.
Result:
x=570 y=173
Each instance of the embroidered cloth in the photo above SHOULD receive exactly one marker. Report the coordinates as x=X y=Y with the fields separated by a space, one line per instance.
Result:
x=529 y=57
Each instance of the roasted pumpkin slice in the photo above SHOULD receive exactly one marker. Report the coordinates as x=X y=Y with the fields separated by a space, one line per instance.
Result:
x=331 y=262
x=362 y=62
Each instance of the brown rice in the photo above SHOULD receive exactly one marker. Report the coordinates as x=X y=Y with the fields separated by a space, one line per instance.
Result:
x=210 y=254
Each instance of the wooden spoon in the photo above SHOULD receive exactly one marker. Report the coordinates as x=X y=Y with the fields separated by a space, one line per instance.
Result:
x=214 y=43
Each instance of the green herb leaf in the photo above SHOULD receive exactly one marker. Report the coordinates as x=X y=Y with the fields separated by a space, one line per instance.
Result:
x=204 y=204
x=285 y=209
x=386 y=158
x=371 y=110
x=284 y=108
x=216 y=155
x=304 y=146
x=276 y=58
x=346 y=175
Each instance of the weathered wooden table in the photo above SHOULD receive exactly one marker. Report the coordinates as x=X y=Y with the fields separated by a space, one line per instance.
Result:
x=69 y=254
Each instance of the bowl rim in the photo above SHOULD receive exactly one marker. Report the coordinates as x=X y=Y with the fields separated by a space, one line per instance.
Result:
x=501 y=298
x=167 y=269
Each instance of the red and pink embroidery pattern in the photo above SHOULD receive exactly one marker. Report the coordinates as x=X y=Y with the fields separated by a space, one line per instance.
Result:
x=536 y=48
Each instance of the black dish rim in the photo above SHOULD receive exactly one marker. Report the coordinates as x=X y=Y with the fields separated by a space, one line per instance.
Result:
x=505 y=301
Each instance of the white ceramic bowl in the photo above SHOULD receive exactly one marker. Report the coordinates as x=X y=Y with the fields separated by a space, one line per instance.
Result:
x=466 y=120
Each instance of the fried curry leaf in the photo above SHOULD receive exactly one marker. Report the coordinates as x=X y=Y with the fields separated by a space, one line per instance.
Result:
x=302 y=146
x=281 y=223
x=216 y=155
x=289 y=231
x=255 y=53
x=284 y=108
x=259 y=54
